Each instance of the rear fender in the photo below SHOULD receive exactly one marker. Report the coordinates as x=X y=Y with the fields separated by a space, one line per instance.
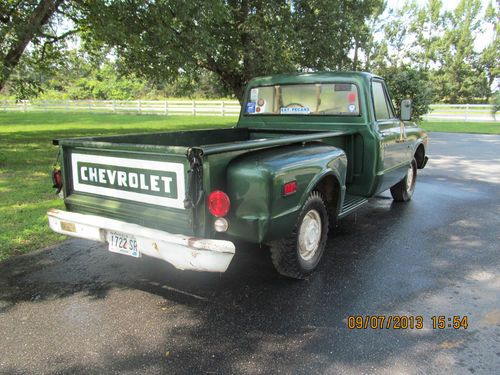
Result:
x=259 y=210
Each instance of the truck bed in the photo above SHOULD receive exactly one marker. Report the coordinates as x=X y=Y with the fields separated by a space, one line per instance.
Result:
x=208 y=140
x=151 y=157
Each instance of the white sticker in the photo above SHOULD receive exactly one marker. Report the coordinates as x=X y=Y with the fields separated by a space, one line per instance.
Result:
x=295 y=111
x=145 y=196
x=254 y=95
x=352 y=108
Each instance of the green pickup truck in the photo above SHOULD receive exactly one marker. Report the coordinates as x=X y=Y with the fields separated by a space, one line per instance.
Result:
x=308 y=150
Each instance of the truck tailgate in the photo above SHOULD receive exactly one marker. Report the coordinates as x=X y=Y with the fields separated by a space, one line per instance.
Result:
x=145 y=187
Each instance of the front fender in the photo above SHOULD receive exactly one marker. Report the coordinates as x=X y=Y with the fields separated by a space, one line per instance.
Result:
x=259 y=211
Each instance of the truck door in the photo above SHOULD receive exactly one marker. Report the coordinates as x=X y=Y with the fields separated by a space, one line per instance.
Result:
x=391 y=135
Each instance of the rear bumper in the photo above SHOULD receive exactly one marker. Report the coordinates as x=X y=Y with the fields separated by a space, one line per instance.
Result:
x=183 y=252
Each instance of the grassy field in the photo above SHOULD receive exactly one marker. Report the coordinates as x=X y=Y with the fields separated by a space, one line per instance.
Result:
x=462 y=127
x=27 y=155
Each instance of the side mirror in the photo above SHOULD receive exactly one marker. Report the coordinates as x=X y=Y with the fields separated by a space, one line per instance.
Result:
x=406 y=110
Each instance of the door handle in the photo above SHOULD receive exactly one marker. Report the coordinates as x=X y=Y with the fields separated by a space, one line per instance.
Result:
x=402 y=132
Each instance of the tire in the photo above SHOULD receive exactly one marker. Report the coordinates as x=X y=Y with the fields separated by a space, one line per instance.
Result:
x=298 y=254
x=403 y=190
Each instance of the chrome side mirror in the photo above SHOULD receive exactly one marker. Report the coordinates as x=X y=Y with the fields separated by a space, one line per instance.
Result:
x=406 y=110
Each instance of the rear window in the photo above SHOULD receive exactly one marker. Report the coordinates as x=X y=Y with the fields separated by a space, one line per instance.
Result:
x=306 y=99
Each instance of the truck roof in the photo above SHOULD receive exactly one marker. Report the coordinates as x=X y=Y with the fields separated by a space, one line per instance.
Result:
x=310 y=77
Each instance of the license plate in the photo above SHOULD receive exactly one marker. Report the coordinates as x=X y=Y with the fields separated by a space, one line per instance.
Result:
x=123 y=244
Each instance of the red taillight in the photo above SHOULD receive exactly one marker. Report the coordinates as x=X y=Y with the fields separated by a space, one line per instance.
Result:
x=289 y=188
x=57 y=179
x=218 y=203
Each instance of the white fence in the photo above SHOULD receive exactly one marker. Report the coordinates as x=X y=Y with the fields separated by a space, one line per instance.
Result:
x=462 y=112
x=443 y=112
x=163 y=107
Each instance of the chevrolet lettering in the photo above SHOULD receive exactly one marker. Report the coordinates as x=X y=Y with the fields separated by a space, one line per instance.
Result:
x=308 y=150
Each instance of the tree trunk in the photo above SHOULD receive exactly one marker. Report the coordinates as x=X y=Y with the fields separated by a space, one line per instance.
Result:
x=355 y=59
x=236 y=84
x=38 y=18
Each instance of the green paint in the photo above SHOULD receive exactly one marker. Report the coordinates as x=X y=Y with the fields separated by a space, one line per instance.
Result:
x=357 y=155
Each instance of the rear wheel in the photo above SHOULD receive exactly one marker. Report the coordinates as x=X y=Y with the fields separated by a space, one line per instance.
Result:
x=298 y=254
x=403 y=190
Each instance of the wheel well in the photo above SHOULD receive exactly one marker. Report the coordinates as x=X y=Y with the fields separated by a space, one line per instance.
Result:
x=420 y=155
x=329 y=188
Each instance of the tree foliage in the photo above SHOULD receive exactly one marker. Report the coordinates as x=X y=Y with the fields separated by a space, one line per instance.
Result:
x=236 y=39
x=21 y=23
x=409 y=83
x=209 y=48
x=440 y=45
x=490 y=57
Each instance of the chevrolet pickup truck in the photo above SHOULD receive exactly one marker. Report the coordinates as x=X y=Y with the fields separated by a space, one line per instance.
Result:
x=308 y=150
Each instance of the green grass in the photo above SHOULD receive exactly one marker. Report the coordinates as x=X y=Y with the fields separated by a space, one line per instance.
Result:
x=461 y=127
x=27 y=155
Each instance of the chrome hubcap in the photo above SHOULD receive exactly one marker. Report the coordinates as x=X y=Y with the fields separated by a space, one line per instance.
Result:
x=309 y=235
x=409 y=178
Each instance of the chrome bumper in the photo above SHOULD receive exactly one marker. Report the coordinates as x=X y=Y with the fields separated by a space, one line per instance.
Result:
x=183 y=252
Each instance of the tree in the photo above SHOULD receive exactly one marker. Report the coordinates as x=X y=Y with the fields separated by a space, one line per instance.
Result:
x=409 y=83
x=490 y=56
x=437 y=44
x=234 y=39
x=326 y=32
x=427 y=26
x=459 y=77
x=22 y=22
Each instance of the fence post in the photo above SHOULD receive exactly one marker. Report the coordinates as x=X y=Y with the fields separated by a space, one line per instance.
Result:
x=193 y=108
x=166 y=107
x=24 y=105
x=139 y=106
x=222 y=109
x=113 y=105
x=466 y=112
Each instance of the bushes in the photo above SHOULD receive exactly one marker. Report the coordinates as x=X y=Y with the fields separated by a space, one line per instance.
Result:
x=409 y=83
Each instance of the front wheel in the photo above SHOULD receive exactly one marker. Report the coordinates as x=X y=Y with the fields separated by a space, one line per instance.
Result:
x=403 y=190
x=298 y=254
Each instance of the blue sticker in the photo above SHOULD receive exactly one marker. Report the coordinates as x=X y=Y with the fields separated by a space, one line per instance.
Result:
x=250 y=107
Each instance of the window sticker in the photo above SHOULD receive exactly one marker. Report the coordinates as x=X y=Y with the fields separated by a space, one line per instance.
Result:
x=254 y=95
x=261 y=106
x=295 y=111
x=352 y=108
x=250 y=107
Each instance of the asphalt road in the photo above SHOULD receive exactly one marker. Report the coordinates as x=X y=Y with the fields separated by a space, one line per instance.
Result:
x=76 y=308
